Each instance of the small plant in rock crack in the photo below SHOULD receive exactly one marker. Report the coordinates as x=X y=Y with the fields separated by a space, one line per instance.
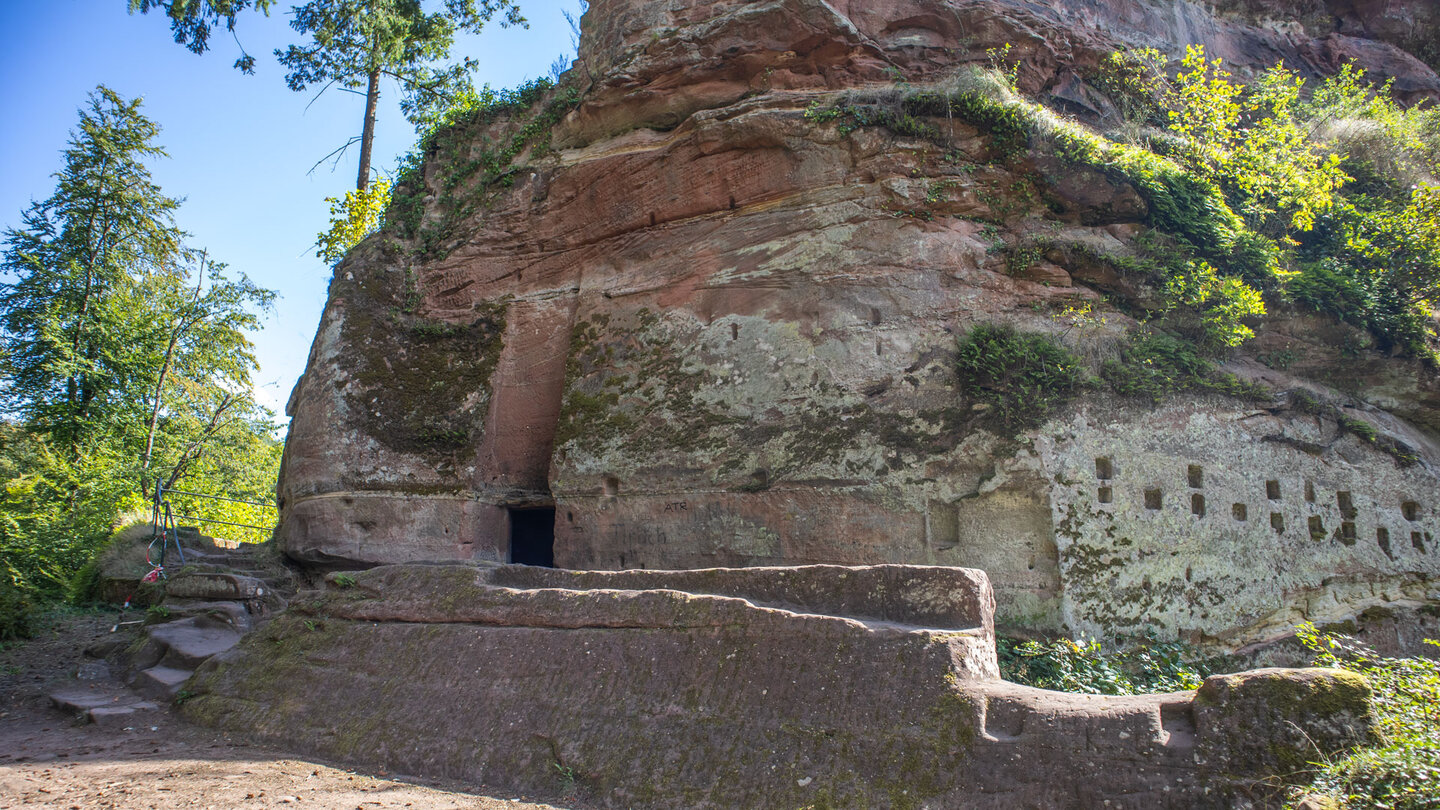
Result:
x=344 y=581
x=566 y=777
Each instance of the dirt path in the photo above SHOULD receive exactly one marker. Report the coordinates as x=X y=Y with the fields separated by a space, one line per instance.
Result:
x=160 y=761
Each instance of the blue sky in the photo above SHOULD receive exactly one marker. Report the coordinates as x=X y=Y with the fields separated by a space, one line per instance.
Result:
x=241 y=147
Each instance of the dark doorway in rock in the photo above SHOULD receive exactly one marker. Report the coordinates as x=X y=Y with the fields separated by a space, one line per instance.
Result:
x=532 y=536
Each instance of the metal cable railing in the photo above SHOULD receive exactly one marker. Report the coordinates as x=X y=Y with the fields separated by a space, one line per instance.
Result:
x=165 y=535
x=220 y=498
x=162 y=501
x=224 y=522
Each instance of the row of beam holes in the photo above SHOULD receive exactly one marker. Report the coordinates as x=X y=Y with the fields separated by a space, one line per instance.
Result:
x=1195 y=477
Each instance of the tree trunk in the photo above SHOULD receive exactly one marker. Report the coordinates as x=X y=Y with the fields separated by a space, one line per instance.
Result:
x=186 y=319
x=367 y=135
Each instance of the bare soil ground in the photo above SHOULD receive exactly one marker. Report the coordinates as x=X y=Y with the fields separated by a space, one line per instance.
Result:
x=158 y=760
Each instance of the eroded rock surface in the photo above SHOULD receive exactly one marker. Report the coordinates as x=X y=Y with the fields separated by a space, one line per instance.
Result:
x=770 y=687
x=706 y=329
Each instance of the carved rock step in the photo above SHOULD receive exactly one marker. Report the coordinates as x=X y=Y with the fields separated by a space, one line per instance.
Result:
x=231 y=559
x=202 y=585
x=103 y=704
x=186 y=643
x=234 y=613
x=161 y=682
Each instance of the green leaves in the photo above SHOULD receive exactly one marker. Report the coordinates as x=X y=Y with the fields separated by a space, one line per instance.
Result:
x=1221 y=304
x=1020 y=379
x=1402 y=771
x=77 y=255
x=192 y=21
x=127 y=355
x=353 y=218
x=1066 y=665
x=356 y=43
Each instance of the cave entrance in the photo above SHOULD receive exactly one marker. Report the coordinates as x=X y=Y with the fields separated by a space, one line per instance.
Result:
x=532 y=536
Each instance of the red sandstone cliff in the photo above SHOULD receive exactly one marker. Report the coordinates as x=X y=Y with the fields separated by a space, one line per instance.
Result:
x=706 y=329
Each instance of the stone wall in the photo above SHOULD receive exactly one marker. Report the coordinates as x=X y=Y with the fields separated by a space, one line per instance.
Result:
x=1212 y=523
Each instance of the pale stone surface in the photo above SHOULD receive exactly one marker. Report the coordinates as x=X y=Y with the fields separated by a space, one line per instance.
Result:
x=1248 y=567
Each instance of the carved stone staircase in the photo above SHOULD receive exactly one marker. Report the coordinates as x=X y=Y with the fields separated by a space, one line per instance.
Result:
x=206 y=607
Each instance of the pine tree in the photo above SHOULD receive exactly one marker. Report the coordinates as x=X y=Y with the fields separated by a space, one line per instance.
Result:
x=79 y=251
x=192 y=21
x=356 y=43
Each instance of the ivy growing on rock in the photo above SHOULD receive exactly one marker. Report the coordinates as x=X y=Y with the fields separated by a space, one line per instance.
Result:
x=1017 y=379
x=468 y=181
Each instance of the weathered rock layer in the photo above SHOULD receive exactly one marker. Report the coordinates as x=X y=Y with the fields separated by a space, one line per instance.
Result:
x=769 y=687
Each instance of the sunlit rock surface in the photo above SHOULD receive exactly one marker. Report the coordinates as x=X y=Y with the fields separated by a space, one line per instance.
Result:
x=705 y=330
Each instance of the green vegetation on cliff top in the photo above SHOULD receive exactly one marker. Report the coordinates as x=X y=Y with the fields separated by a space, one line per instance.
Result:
x=1321 y=194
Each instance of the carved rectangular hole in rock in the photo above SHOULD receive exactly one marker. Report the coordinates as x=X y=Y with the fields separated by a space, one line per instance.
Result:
x=1178 y=721
x=1152 y=499
x=1196 y=476
x=1239 y=511
x=1277 y=522
x=1197 y=505
x=1310 y=491
x=610 y=486
x=1411 y=510
x=532 y=536
x=944 y=525
x=1105 y=495
x=1272 y=490
x=1317 y=528
x=1347 y=533
x=734 y=331
x=1382 y=539
x=1417 y=542
x=1346 y=504
x=1004 y=721
x=1104 y=469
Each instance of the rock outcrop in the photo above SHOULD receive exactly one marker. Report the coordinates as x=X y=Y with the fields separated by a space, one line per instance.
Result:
x=767 y=687
x=688 y=325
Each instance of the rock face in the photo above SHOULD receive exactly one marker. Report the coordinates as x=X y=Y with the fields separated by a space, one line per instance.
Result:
x=766 y=687
x=691 y=326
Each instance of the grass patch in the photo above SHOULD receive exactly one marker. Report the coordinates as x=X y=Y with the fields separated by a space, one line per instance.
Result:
x=1402 y=770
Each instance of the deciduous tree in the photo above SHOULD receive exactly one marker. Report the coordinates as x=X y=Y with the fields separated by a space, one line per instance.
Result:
x=125 y=356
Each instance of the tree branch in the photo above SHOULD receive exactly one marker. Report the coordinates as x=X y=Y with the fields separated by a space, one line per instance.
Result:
x=337 y=154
